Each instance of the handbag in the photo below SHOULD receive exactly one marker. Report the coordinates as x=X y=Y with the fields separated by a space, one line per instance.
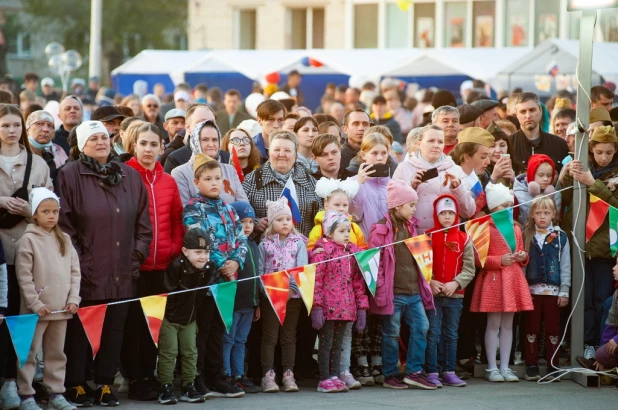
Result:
x=7 y=219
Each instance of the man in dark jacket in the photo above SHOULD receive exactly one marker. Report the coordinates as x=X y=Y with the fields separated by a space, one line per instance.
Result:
x=71 y=114
x=231 y=116
x=381 y=116
x=355 y=123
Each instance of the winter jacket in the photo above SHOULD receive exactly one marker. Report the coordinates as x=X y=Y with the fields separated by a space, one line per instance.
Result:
x=370 y=203
x=258 y=139
x=383 y=302
x=551 y=145
x=248 y=291
x=176 y=143
x=220 y=220
x=356 y=235
x=429 y=190
x=165 y=216
x=108 y=225
x=46 y=278
x=347 y=154
x=339 y=285
x=4 y=283
x=520 y=189
x=275 y=255
x=551 y=263
x=232 y=189
x=61 y=138
x=611 y=326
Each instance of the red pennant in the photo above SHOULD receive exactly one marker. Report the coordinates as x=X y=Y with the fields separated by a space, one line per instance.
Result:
x=277 y=287
x=596 y=215
x=92 y=320
x=235 y=162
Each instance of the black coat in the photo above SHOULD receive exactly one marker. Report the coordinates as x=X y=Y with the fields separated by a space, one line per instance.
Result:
x=551 y=145
x=61 y=137
x=248 y=291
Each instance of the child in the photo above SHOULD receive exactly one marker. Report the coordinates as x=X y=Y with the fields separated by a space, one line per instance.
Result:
x=549 y=276
x=193 y=269
x=453 y=269
x=49 y=279
x=538 y=180
x=339 y=297
x=246 y=305
x=282 y=247
x=501 y=288
x=208 y=211
x=402 y=292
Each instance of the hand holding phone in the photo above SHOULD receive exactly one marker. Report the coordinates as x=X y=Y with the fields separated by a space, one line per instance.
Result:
x=429 y=174
x=381 y=170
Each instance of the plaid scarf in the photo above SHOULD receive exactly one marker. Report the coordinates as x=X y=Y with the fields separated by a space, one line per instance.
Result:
x=110 y=171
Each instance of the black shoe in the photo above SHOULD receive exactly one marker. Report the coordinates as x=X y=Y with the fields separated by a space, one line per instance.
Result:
x=363 y=375
x=532 y=373
x=378 y=376
x=201 y=388
x=247 y=385
x=190 y=395
x=585 y=363
x=167 y=395
x=226 y=387
x=141 y=390
x=105 y=397
x=78 y=396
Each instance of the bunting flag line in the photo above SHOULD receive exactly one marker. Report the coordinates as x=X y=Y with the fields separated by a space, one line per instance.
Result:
x=305 y=279
x=225 y=294
x=21 y=329
x=504 y=223
x=235 y=162
x=92 y=319
x=369 y=262
x=289 y=193
x=420 y=247
x=478 y=230
x=596 y=215
x=277 y=287
x=154 y=310
x=613 y=230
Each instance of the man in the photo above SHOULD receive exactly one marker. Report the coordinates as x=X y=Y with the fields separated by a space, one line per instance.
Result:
x=31 y=82
x=182 y=100
x=175 y=127
x=355 y=123
x=490 y=112
x=468 y=115
x=270 y=116
x=168 y=106
x=47 y=87
x=337 y=110
x=93 y=87
x=230 y=116
x=151 y=112
x=159 y=90
x=110 y=117
x=340 y=93
x=530 y=140
x=447 y=118
x=293 y=87
x=199 y=93
x=562 y=120
x=352 y=96
x=601 y=97
x=71 y=114
x=381 y=116
x=40 y=129
x=442 y=98
x=599 y=116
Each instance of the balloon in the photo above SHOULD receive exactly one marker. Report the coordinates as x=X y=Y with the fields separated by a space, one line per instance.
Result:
x=404 y=5
x=54 y=49
x=56 y=64
x=72 y=59
x=273 y=78
x=315 y=63
x=306 y=61
x=251 y=103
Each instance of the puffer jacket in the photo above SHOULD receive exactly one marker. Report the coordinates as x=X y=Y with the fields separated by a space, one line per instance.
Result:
x=429 y=190
x=520 y=189
x=165 y=215
x=370 y=204
x=356 y=235
x=339 y=285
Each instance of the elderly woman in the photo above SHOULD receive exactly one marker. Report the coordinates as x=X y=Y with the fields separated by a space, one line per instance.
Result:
x=151 y=108
x=206 y=139
x=40 y=128
x=449 y=179
x=104 y=209
x=248 y=154
x=132 y=101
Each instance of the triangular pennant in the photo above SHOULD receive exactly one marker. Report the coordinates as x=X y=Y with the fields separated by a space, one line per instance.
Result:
x=596 y=215
x=154 y=310
x=369 y=262
x=613 y=230
x=92 y=319
x=277 y=287
x=225 y=295
x=305 y=279
x=478 y=230
x=420 y=248
x=504 y=223
x=21 y=329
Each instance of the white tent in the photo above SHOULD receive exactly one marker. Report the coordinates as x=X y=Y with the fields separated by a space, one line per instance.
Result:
x=159 y=62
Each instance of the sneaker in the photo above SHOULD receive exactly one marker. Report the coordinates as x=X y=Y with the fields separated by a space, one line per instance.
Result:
x=288 y=381
x=532 y=373
x=77 y=396
x=167 y=395
x=451 y=379
x=269 y=385
x=340 y=385
x=124 y=385
x=105 y=397
x=394 y=382
x=9 y=397
x=589 y=352
x=327 y=386
x=349 y=380
x=376 y=372
x=141 y=390
x=190 y=395
x=58 y=402
x=246 y=384
x=28 y=404
x=226 y=387
x=553 y=375
x=201 y=388
x=494 y=376
x=509 y=376
x=435 y=379
x=419 y=379
x=585 y=363
x=363 y=375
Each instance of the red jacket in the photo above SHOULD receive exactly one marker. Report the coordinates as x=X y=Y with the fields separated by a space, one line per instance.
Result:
x=165 y=215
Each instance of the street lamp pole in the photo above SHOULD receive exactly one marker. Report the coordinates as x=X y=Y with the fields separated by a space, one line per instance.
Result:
x=96 y=26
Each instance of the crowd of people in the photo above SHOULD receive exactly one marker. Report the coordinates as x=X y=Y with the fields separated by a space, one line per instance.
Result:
x=106 y=198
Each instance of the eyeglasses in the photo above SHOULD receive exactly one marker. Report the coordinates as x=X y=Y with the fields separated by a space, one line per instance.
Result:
x=240 y=141
x=152 y=106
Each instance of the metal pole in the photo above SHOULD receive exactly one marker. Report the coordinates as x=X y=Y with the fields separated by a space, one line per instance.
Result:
x=96 y=25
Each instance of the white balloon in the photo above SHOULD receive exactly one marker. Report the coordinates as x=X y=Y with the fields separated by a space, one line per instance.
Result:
x=72 y=59
x=251 y=103
x=56 y=64
x=54 y=49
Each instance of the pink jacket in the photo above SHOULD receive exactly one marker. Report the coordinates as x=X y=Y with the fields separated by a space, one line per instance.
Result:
x=428 y=191
x=383 y=302
x=339 y=285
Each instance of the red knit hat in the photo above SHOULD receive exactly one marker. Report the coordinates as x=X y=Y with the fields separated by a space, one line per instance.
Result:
x=535 y=162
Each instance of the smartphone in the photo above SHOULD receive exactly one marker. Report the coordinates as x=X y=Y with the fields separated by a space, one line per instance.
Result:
x=505 y=155
x=381 y=170
x=430 y=174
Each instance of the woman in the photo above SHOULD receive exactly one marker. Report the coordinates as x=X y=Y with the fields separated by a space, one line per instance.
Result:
x=326 y=151
x=104 y=209
x=20 y=170
x=40 y=129
x=306 y=129
x=121 y=144
x=206 y=139
x=132 y=101
x=501 y=169
x=429 y=156
x=329 y=127
x=248 y=154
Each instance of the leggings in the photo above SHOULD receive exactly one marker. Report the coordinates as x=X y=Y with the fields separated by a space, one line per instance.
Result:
x=499 y=322
x=329 y=356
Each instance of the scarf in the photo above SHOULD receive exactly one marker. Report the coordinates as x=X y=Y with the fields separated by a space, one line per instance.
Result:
x=110 y=171
x=37 y=145
x=194 y=140
x=283 y=178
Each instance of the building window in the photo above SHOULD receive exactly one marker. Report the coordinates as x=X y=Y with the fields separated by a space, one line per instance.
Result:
x=305 y=28
x=516 y=25
x=455 y=24
x=396 y=27
x=365 y=26
x=484 y=20
x=20 y=46
x=547 y=20
x=246 y=29
x=424 y=25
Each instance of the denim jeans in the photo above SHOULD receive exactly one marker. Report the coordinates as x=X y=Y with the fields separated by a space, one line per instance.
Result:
x=234 y=342
x=443 y=321
x=409 y=308
x=599 y=285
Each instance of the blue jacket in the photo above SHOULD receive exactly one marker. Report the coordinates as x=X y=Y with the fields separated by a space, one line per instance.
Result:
x=550 y=264
x=259 y=143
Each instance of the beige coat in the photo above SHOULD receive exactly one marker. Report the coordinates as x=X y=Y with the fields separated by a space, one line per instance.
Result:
x=46 y=278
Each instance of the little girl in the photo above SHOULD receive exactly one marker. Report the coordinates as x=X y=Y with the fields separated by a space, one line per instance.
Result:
x=549 y=277
x=402 y=293
x=339 y=297
x=282 y=247
x=49 y=277
x=501 y=288
x=538 y=180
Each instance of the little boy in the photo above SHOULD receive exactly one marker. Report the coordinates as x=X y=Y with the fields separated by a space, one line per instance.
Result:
x=208 y=211
x=193 y=269
x=453 y=269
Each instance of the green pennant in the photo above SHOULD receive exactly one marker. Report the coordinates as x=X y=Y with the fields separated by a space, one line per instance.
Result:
x=225 y=294
x=369 y=261
x=504 y=222
x=613 y=230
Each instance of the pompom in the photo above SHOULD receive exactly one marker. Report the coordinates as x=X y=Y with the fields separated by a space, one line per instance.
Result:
x=350 y=187
x=325 y=187
x=549 y=190
x=534 y=188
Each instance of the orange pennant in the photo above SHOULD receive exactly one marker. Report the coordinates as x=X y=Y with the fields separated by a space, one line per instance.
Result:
x=420 y=247
x=478 y=230
x=277 y=287
x=92 y=319
x=154 y=310
x=305 y=279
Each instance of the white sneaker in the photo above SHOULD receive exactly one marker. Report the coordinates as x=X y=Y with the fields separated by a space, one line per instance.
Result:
x=509 y=376
x=9 y=397
x=494 y=376
x=29 y=404
x=589 y=352
x=349 y=380
x=60 y=403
